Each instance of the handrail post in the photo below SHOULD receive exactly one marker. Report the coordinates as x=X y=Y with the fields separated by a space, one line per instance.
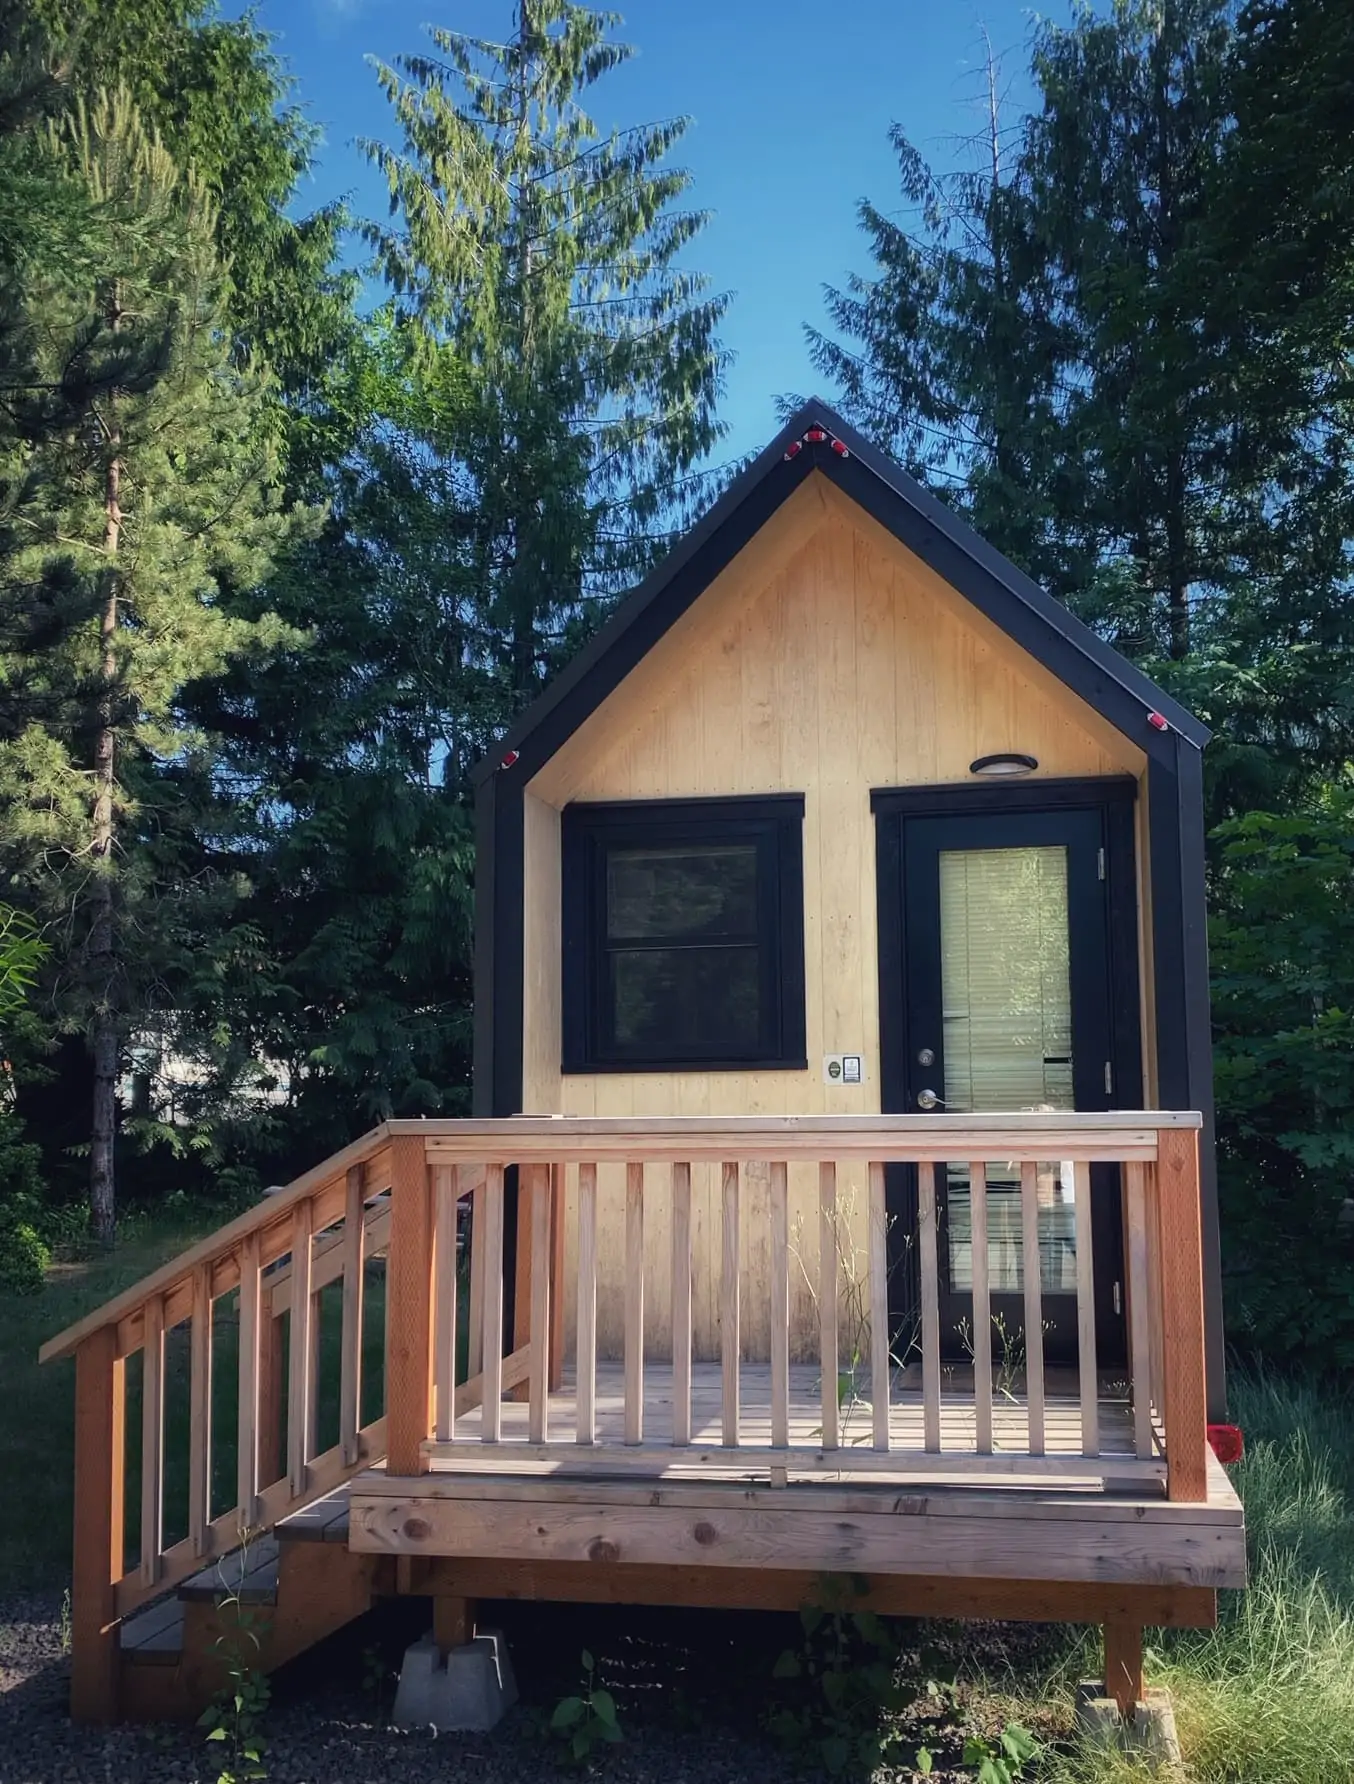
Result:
x=1182 y=1301
x=100 y=1462
x=409 y=1308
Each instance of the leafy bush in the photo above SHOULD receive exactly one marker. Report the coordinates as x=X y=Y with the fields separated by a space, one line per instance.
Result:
x=24 y=1259
x=1282 y=939
x=586 y=1720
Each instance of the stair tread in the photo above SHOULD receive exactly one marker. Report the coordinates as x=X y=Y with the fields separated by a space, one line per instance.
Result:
x=155 y=1632
x=323 y=1520
x=249 y=1574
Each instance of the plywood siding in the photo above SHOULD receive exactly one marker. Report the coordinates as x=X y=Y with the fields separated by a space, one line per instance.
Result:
x=826 y=660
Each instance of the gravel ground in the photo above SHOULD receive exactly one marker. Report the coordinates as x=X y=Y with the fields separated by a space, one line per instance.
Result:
x=692 y=1688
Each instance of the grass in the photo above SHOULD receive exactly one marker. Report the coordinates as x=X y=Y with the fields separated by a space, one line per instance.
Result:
x=1268 y=1696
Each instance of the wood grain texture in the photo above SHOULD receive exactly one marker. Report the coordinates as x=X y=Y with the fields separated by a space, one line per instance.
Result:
x=558 y=1286
x=681 y=1303
x=1032 y=1264
x=247 y=1409
x=729 y=1335
x=827 y=1300
x=97 y=1559
x=350 y=1339
x=929 y=1251
x=982 y=1308
x=1179 y=1553
x=586 y=1363
x=880 y=1368
x=541 y=1264
x=1139 y=1306
x=1123 y=1661
x=152 y=1442
x=1182 y=1298
x=409 y=1298
x=301 y=1381
x=491 y=1345
x=634 y=1303
x=1086 y=1351
x=200 y=1410
x=778 y=1313
x=447 y=1200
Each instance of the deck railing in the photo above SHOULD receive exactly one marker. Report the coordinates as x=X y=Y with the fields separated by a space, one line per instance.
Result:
x=250 y=1302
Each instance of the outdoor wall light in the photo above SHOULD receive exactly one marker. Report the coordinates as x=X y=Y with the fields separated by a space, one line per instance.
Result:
x=1003 y=764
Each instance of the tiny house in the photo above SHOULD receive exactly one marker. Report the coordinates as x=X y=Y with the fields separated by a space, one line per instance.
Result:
x=840 y=1185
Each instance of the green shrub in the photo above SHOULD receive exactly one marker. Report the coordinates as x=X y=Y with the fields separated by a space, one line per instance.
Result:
x=24 y=1259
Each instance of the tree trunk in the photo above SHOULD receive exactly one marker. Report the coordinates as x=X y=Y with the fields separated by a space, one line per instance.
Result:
x=103 y=1026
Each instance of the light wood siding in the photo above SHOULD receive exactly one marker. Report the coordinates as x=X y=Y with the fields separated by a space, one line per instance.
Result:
x=825 y=660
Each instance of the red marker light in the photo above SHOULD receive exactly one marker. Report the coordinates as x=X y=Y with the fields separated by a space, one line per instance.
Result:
x=794 y=449
x=1157 y=721
x=816 y=436
x=1226 y=1442
x=839 y=447
x=509 y=759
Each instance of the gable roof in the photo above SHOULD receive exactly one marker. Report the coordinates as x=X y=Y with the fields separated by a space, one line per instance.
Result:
x=1031 y=617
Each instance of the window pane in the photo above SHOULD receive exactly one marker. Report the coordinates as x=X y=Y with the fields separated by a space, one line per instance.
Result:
x=670 y=894
x=1007 y=992
x=686 y=1000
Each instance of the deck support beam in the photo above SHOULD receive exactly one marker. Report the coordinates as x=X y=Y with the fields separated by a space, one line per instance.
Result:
x=1123 y=1662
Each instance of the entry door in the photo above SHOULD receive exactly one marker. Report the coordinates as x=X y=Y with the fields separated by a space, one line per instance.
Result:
x=1010 y=1006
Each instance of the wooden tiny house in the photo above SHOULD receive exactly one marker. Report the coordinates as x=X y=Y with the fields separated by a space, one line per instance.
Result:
x=840 y=947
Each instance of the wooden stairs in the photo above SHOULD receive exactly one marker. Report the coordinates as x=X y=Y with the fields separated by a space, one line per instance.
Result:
x=259 y=1606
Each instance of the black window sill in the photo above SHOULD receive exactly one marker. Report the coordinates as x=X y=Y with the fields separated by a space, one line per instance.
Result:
x=601 y=1067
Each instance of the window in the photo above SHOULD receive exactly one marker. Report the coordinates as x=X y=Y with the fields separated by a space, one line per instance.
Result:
x=684 y=934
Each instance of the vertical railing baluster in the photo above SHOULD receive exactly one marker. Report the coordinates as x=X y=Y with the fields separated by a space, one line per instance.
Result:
x=634 y=1303
x=152 y=1439
x=1086 y=1357
x=880 y=1362
x=446 y=1184
x=1032 y=1267
x=982 y=1310
x=1156 y=1329
x=929 y=1263
x=681 y=1304
x=300 y=1386
x=475 y=1359
x=828 y=1359
x=728 y=1309
x=1139 y=1348
x=350 y=1340
x=538 y=1406
x=491 y=1341
x=200 y=1411
x=247 y=1443
x=780 y=1305
x=586 y=1342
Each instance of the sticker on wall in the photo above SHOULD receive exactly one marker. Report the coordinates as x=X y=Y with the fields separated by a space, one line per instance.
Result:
x=843 y=1068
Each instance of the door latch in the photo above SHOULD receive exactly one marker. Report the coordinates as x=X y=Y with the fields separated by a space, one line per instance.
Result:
x=1118 y=1302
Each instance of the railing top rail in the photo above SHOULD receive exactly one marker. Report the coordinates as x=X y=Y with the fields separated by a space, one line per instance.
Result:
x=217 y=1244
x=506 y=1129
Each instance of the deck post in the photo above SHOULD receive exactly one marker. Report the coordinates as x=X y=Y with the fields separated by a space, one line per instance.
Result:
x=100 y=1463
x=409 y=1307
x=453 y=1622
x=1123 y=1663
x=1182 y=1301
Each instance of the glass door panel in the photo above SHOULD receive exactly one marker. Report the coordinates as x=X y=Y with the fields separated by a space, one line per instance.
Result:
x=1006 y=997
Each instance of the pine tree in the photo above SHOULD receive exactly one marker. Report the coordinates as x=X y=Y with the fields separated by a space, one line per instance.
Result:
x=143 y=489
x=562 y=365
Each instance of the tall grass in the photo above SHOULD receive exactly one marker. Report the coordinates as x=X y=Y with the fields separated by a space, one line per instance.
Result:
x=1268 y=1696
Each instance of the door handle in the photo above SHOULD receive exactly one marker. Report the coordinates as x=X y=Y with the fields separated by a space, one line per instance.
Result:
x=927 y=1099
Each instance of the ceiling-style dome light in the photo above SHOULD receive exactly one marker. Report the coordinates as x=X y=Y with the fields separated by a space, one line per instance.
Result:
x=1007 y=763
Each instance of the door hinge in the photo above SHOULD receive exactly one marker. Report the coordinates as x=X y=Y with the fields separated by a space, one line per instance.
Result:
x=1109 y=1079
x=1100 y=863
x=1118 y=1301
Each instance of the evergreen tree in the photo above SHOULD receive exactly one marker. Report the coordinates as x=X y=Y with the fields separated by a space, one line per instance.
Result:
x=142 y=482
x=563 y=365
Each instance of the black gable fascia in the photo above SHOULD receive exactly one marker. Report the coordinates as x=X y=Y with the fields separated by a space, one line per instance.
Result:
x=1030 y=617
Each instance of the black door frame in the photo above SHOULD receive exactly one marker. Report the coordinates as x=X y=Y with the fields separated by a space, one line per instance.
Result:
x=1112 y=798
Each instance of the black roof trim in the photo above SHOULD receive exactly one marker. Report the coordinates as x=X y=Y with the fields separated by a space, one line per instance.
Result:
x=1032 y=618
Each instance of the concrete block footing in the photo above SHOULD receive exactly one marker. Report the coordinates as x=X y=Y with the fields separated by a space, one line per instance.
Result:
x=1148 y=1730
x=469 y=1692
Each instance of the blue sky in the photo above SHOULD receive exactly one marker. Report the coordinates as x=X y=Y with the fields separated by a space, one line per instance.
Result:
x=790 y=103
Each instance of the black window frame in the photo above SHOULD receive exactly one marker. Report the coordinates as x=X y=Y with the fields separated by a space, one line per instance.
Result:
x=774 y=823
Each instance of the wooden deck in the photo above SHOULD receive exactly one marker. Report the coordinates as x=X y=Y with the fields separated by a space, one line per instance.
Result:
x=753 y=1456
